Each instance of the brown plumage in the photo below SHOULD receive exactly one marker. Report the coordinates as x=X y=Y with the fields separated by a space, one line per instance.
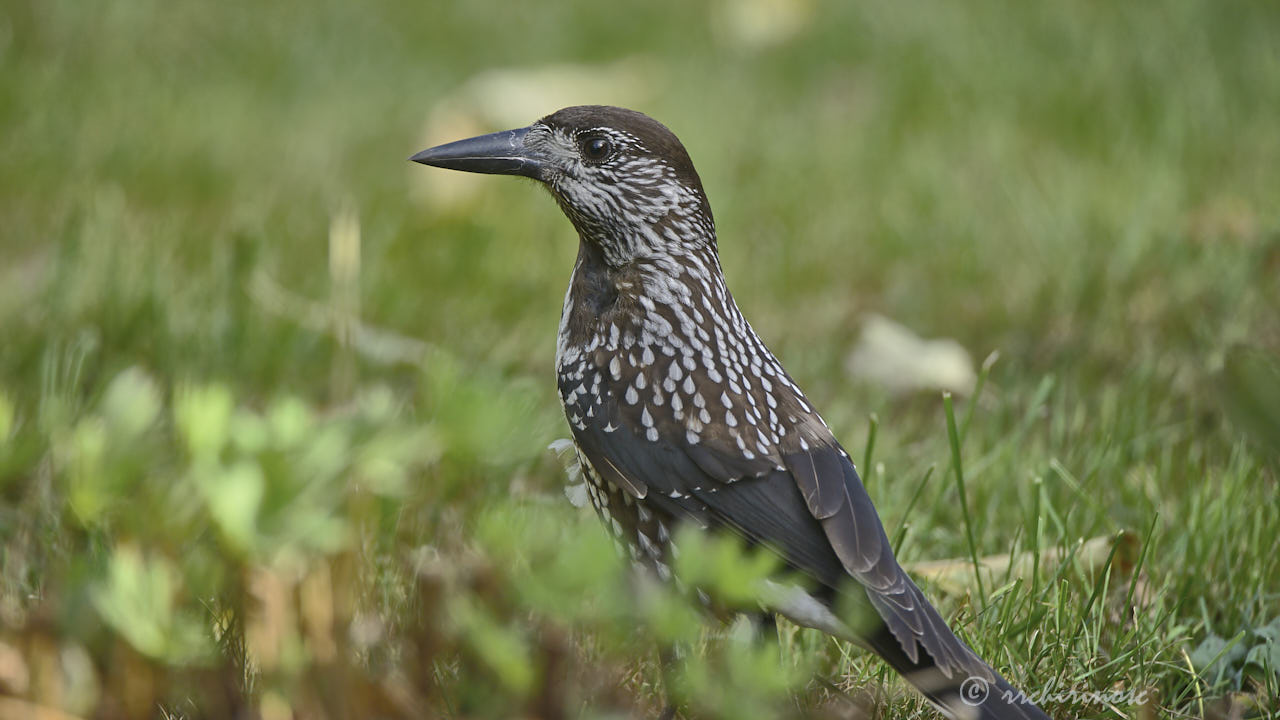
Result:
x=679 y=412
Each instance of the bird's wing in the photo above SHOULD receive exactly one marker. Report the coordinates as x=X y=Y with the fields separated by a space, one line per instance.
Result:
x=804 y=500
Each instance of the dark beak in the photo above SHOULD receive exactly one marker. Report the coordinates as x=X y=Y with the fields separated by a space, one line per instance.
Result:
x=500 y=153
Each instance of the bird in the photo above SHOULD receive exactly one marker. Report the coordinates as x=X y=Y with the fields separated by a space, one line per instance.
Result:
x=680 y=415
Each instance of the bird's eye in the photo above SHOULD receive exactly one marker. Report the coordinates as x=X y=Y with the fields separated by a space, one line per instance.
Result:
x=596 y=148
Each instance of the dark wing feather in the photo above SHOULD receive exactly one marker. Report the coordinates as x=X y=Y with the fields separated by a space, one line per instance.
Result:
x=808 y=505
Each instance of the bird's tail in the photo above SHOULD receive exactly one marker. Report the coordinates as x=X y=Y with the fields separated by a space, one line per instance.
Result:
x=982 y=695
x=972 y=690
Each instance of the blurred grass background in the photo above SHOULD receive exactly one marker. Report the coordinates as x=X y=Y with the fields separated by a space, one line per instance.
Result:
x=218 y=501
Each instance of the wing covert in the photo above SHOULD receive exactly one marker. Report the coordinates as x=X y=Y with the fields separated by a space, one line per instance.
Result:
x=798 y=494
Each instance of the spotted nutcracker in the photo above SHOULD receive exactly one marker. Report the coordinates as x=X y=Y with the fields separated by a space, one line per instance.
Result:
x=679 y=412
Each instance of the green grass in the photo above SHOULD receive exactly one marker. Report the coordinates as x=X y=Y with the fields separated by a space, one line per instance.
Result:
x=208 y=503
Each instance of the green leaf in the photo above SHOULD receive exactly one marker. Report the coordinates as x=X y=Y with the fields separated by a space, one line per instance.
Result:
x=136 y=599
x=203 y=416
x=234 y=496
x=1264 y=656
x=249 y=432
x=720 y=565
x=131 y=403
x=671 y=617
x=90 y=482
x=483 y=417
x=290 y=421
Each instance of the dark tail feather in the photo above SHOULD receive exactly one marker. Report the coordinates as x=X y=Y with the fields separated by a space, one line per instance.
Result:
x=960 y=697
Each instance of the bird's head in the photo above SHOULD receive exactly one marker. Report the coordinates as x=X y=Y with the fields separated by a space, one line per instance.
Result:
x=623 y=178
